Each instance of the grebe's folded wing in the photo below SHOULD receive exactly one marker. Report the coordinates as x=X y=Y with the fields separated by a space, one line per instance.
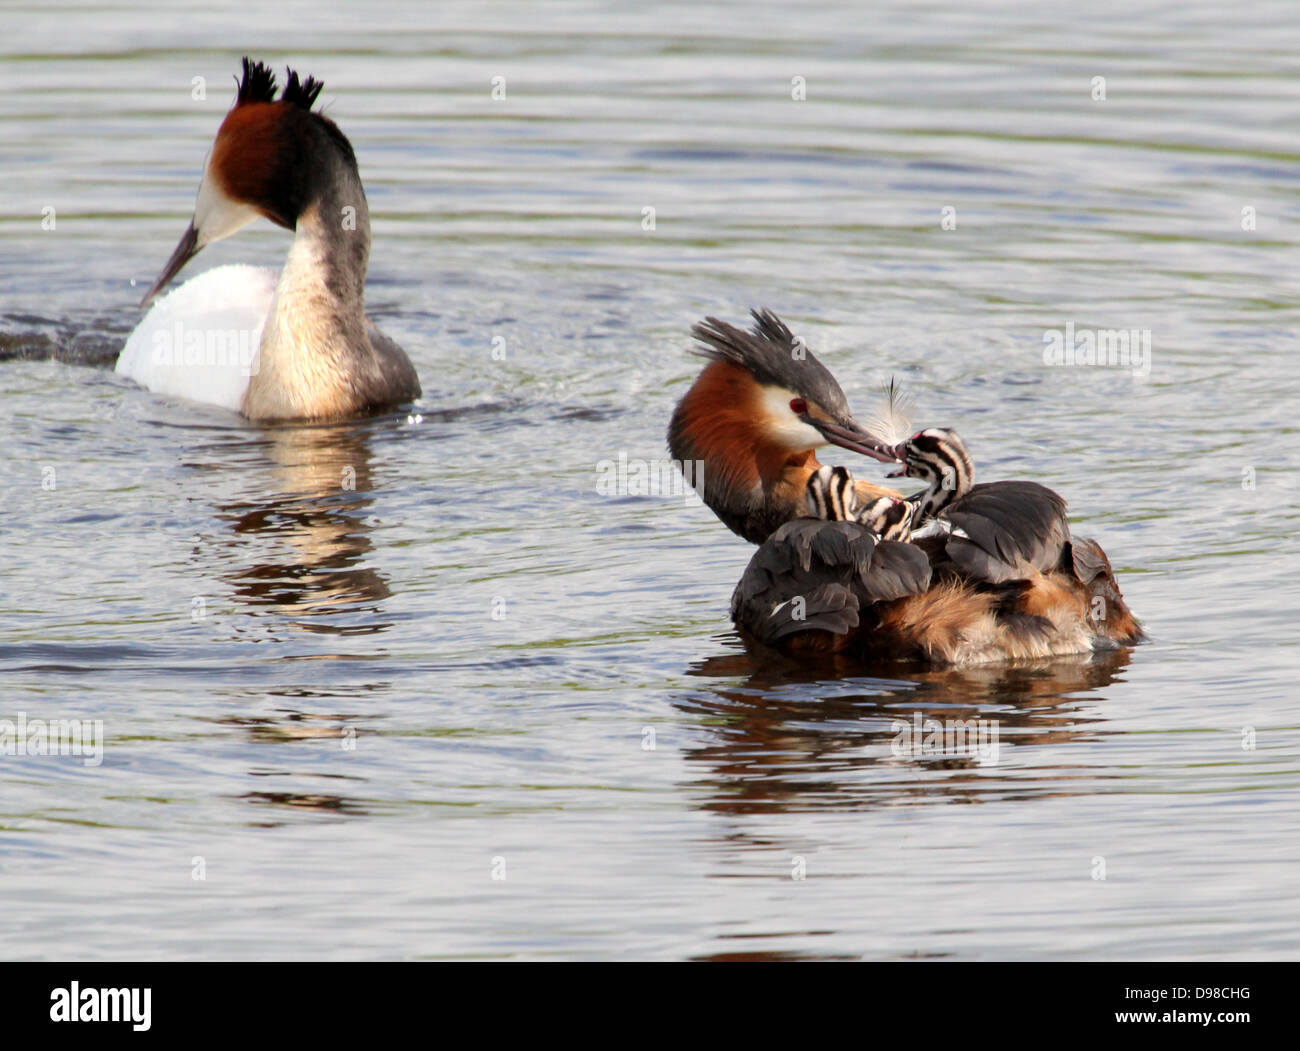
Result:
x=400 y=382
x=1005 y=531
x=814 y=575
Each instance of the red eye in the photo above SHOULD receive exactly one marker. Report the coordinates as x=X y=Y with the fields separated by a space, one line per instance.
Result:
x=798 y=406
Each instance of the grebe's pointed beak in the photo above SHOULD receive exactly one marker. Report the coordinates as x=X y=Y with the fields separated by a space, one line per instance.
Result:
x=185 y=251
x=855 y=439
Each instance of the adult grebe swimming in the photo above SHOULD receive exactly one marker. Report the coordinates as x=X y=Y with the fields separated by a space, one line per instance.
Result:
x=957 y=574
x=287 y=345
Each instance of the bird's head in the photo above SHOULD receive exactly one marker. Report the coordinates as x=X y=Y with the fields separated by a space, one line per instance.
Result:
x=939 y=458
x=270 y=159
x=762 y=404
x=889 y=518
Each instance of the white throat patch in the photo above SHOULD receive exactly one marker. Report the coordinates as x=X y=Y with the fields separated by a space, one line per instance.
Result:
x=216 y=216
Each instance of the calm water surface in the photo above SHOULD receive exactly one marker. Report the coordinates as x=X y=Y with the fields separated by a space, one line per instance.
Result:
x=355 y=708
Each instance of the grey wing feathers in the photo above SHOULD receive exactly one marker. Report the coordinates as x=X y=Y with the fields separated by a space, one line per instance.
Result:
x=1009 y=529
x=828 y=543
x=1088 y=560
x=827 y=607
x=398 y=375
x=817 y=575
x=896 y=570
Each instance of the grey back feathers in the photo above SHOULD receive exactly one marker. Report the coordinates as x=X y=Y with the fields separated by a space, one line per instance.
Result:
x=841 y=582
x=1007 y=530
x=995 y=532
x=812 y=575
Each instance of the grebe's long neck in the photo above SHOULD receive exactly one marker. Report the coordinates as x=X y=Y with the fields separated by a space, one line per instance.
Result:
x=933 y=499
x=315 y=354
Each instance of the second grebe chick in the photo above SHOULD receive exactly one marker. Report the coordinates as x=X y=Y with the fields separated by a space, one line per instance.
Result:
x=997 y=531
x=832 y=495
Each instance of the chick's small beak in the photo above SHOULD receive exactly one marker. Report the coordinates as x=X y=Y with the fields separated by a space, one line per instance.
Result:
x=185 y=251
x=899 y=453
x=852 y=437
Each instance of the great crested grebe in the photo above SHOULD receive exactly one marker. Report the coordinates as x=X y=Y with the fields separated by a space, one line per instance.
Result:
x=287 y=345
x=754 y=417
x=1001 y=581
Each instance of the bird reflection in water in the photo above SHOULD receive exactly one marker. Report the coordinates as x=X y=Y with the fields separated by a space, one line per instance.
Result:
x=317 y=519
x=309 y=541
x=289 y=727
x=779 y=736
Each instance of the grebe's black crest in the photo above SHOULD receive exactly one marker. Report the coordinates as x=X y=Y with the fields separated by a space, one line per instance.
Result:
x=301 y=94
x=774 y=356
x=258 y=85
